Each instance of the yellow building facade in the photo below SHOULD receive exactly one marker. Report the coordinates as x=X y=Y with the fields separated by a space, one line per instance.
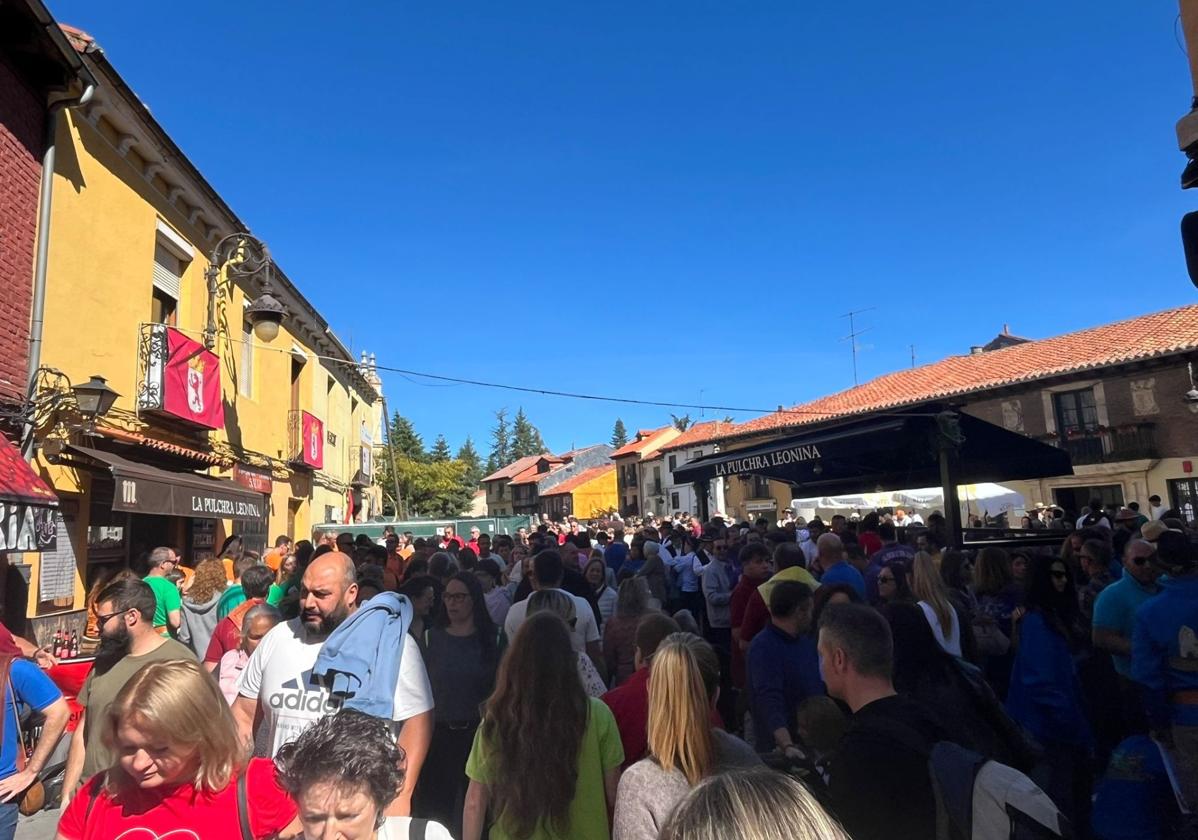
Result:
x=591 y=494
x=131 y=229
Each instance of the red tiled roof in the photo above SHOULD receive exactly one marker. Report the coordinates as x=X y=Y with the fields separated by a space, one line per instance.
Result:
x=516 y=467
x=531 y=476
x=700 y=433
x=572 y=484
x=1145 y=337
x=78 y=39
x=649 y=440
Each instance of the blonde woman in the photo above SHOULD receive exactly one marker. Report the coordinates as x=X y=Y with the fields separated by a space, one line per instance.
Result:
x=179 y=767
x=683 y=748
x=929 y=588
x=558 y=602
x=751 y=805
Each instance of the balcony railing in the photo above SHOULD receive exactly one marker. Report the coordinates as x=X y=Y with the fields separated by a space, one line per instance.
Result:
x=1130 y=442
x=305 y=440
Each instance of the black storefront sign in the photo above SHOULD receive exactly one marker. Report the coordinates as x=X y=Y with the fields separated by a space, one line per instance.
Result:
x=140 y=494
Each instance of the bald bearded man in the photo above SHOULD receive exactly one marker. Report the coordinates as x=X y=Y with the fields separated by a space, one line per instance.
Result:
x=278 y=679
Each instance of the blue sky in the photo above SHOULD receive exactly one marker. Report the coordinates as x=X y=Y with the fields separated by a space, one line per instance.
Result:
x=657 y=199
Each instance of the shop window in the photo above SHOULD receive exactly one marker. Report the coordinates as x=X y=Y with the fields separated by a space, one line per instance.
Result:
x=245 y=376
x=674 y=501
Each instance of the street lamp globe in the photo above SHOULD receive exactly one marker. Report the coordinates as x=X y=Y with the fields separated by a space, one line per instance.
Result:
x=266 y=314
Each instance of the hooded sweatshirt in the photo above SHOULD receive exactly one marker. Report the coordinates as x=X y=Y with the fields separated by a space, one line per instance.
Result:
x=199 y=623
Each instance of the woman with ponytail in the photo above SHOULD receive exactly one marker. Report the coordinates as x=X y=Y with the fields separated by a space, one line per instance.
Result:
x=683 y=748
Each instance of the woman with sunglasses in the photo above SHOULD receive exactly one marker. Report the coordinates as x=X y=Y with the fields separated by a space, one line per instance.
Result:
x=461 y=655
x=894 y=586
x=1044 y=695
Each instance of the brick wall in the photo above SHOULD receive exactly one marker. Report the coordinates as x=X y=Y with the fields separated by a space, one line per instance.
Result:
x=22 y=137
x=1152 y=396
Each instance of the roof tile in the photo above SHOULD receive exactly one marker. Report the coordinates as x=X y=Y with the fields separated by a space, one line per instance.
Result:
x=1145 y=337
x=572 y=484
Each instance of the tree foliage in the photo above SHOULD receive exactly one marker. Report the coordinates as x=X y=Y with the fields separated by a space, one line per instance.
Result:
x=501 y=445
x=526 y=438
x=474 y=465
x=440 y=453
x=681 y=423
x=619 y=435
x=430 y=484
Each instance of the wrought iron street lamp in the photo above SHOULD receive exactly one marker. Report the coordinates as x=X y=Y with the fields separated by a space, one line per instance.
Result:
x=243 y=255
x=94 y=398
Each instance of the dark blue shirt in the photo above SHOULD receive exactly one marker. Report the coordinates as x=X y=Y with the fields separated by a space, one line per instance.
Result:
x=615 y=554
x=783 y=672
x=32 y=688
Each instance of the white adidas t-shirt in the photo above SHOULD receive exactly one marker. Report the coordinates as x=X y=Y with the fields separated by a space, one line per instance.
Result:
x=279 y=677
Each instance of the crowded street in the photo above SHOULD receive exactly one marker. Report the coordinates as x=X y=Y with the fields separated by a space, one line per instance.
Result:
x=881 y=525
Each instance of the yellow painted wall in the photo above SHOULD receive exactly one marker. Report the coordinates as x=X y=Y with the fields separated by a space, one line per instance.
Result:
x=596 y=495
x=99 y=291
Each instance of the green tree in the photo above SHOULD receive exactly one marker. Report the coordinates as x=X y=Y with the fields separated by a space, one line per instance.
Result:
x=432 y=489
x=501 y=443
x=440 y=453
x=526 y=438
x=474 y=466
x=681 y=423
x=619 y=435
x=405 y=440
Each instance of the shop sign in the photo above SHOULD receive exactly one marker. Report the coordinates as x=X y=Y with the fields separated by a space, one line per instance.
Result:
x=260 y=481
x=758 y=506
x=312 y=451
x=182 y=378
x=367 y=458
x=27 y=527
x=145 y=495
x=769 y=460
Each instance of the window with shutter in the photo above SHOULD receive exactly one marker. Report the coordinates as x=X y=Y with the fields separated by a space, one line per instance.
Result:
x=167 y=281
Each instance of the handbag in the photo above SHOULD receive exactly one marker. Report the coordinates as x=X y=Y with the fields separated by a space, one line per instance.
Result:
x=33 y=798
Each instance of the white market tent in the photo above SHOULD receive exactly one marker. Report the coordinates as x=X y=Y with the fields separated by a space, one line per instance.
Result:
x=976 y=499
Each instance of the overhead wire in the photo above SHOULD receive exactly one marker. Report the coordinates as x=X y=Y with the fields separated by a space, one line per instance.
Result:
x=550 y=392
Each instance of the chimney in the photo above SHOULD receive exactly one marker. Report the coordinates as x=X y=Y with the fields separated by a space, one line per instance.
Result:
x=1006 y=329
x=976 y=350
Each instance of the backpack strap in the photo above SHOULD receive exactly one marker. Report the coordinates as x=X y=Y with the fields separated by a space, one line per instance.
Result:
x=243 y=804
x=417 y=829
x=93 y=793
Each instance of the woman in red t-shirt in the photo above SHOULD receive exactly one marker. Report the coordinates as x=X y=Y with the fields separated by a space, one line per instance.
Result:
x=178 y=766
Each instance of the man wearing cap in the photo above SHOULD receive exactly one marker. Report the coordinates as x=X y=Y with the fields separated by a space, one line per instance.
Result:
x=1164 y=657
x=1126 y=527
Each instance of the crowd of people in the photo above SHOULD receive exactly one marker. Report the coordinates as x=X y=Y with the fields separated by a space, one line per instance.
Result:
x=658 y=679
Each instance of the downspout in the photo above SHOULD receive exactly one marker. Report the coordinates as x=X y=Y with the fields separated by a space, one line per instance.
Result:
x=38 y=305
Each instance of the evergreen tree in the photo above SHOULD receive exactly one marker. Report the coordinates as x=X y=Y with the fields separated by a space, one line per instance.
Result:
x=681 y=423
x=619 y=435
x=440 y=453
x=403 y=437
x=526 y=438
x=474 y=467
x=501 y=446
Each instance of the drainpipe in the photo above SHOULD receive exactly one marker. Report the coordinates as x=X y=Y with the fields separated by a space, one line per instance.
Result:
x=38 y=306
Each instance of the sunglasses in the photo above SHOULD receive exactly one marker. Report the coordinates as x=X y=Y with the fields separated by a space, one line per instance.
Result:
x=102 y=618
x=454 y=597
x=885 y=580
x=1140 y=561
x=1059 y=575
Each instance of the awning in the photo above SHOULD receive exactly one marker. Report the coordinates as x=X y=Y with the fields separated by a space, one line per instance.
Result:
x=26 y=505
x=892 y=454
x=141 y=488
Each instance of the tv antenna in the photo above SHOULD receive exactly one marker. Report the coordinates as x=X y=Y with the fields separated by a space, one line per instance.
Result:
x=854 y=332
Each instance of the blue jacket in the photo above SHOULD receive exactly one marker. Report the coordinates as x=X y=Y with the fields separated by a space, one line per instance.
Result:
x=783 y=672
x=359 y=662
x=1044 y=695
x=1164 y=650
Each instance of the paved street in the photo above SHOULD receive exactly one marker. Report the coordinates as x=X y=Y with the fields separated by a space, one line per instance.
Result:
x=38 y=827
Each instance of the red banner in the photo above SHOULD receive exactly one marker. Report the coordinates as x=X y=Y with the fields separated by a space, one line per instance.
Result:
x=313 y=442
x=191 y=382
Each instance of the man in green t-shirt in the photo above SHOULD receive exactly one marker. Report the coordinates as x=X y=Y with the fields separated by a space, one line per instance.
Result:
x=168 y=612
x=128 y=642
x=234 y=594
